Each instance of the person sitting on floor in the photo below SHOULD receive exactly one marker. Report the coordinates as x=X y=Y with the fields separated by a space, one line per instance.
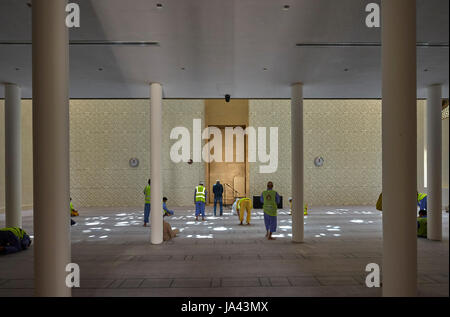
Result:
x=166 y=211
x=422 y=224
x=421 y=201
x=13 y=239
x=168 y=233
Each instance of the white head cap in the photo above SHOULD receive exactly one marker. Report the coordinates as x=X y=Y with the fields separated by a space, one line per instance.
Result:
x=201 y=183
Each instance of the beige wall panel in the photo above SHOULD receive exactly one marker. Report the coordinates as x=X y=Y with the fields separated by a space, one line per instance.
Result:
x=105 y=134
x=347 y=133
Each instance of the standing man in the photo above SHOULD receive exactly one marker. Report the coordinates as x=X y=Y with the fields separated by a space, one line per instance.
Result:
x=147 y=204
x=218 y=192
x=200 y=195
x=270 y=200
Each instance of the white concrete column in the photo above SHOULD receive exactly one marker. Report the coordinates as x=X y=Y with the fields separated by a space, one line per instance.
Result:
x=399 y=127
x=297 y=161
x=51 y=148
x=421 y=147
x=434 y=163
x=156 y=216
x=13 y=156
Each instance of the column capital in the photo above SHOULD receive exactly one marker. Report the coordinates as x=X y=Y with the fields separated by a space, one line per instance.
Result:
x=297 y=84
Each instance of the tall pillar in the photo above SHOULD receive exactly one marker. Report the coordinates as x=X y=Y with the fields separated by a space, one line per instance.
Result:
x=13 y=156
x=156 y=216
x=297 y=161
x=50 y=147
x=434 y=163
x=399 y=128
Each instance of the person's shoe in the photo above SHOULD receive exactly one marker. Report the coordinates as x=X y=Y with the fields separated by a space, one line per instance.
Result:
x=145 y=224
x=241 y=224
x=196 y=218
x=203 y=219
x=248 y=224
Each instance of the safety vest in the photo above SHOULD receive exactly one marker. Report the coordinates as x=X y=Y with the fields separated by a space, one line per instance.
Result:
x=270 y=202
x=421 y=196
x=200 y=194
x=18 y=232
x=71 y=206
x=422 y=227
x=147 y=194
x=241 y=200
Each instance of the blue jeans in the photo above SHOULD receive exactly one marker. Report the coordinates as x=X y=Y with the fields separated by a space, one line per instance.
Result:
x=146 y=213
x=220 y=200
x=199 y=208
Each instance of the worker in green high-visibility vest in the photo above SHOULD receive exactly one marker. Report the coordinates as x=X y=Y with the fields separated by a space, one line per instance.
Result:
x=270 y=200
x=13 y=239
x=147 y=204
x=200 y=195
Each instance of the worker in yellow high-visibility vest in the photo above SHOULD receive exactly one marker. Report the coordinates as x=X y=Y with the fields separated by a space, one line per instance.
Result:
x=421 y=201
x=244 y=204
x=200 y=195
x=147 y=204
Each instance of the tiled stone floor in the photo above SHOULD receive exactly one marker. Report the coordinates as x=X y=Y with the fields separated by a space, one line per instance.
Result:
x=220 y=258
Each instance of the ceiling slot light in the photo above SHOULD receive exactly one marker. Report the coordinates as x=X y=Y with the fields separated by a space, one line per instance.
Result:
x=159 y=5
x=286 y=7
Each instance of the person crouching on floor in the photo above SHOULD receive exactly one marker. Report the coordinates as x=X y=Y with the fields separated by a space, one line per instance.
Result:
x=166 y=211
x=13 y=239
x=244 y=204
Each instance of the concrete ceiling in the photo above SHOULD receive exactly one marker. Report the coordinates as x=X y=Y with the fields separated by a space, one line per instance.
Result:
x=209 y=48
